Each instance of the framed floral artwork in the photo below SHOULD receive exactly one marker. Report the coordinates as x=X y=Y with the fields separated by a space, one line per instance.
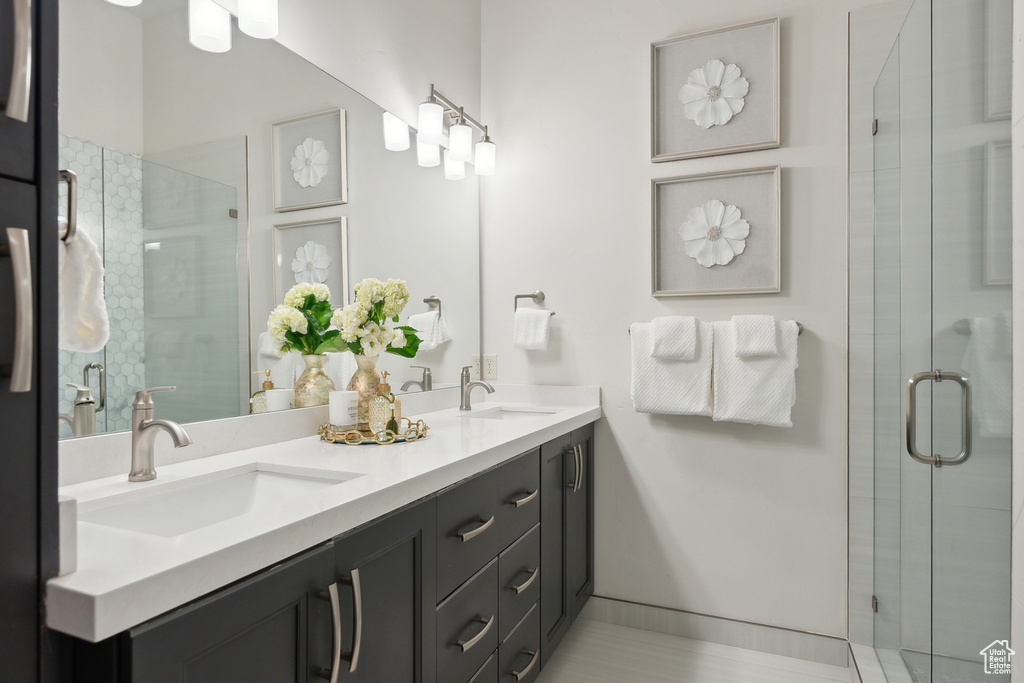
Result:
x=716 y=233
x=312 y=251
x=715 y=92
x=309 y=161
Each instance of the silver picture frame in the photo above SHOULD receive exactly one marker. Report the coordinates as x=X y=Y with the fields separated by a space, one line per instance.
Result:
x=757 y=270
x=326 y=127
x=754 y=47
x=332 y=233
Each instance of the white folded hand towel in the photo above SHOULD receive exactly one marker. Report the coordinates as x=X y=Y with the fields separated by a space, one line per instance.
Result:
x=431 y=328
x=670 y=387
x=531 y=328
x=988 y=364
x=82 y=322
x=755 y=335
x=674 y=337
x=757 y=389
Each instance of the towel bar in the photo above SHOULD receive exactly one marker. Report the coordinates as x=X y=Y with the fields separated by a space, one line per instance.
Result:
x=799 y=329
x=433 y=302
x=538 y=298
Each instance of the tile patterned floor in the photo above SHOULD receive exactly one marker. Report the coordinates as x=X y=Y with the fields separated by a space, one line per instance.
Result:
x=598 y=652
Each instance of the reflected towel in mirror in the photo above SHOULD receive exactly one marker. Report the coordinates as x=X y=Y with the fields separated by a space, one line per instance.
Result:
x=82 y=322
x=432 y=328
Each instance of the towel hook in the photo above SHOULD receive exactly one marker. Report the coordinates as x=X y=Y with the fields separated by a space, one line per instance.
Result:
x=433 y=302
x=71 y=179
x=538 y=298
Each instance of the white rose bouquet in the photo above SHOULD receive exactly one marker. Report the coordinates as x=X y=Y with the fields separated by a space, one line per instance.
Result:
x=364 y=326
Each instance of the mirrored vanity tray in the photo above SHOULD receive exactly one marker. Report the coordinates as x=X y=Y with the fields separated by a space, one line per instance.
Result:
x=355 y=437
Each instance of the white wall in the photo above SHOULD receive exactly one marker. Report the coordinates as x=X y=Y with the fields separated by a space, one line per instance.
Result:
x=730 y=520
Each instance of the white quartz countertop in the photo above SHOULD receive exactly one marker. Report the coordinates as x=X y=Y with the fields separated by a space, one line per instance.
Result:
x=125 y=578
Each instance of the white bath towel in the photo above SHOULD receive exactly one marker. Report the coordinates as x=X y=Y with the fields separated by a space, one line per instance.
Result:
x=670 y=387
x=987 y=362
x=755 y=335
x=432 y=329
x=82 y=322
x=758 y=389
x=674 y=337
x=531 y=328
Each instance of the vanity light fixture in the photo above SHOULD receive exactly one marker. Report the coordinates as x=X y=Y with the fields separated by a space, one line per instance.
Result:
x=396 y=133
x=209 y=26
x=434 y=113
x=258 y=18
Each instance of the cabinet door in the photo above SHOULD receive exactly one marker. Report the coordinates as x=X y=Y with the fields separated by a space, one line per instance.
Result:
x=258 y=631
x=555 y=462
x=386 y=574
x=579 y=523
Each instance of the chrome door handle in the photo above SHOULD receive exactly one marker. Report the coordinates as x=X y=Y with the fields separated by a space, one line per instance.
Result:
x=18 y=250
x=965 y=417
x=18 y=96
x=520 y=502
x=69 y=177
x=529 y=582
x=467 y=644
x=332 y=594
x=520 y=675
x=357 y=620
x=470 y=535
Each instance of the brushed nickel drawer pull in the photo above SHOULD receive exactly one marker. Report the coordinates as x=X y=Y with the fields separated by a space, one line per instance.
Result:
x=470 y=535
x=332 y=594
x=467 y=644
x=357 y=620
x=520 y=675
x=18 y=249
x=520 y=502
x=523 y=586
x=19 y=95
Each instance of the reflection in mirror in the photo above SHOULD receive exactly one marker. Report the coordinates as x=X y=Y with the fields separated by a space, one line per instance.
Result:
x=167 y=140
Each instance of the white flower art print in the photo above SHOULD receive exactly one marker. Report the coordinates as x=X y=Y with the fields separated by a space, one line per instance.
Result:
x=309 y=165
x=713 y=94
x=311 y=263
x=714 y=233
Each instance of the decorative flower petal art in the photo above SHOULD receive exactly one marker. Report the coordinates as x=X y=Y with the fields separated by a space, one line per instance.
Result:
x=309 y=165
x=714 y=233
x=311 y=263
x=713 y=94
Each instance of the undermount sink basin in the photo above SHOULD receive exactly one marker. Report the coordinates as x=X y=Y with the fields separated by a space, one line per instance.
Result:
x=507 y=413
x=179 y=507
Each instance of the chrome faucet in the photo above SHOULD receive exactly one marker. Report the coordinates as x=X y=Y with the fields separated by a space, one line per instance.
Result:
x=467 y=389
x=144 y=429
x=425 y=383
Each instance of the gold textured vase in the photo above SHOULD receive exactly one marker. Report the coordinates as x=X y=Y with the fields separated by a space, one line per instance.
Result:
x=314 y=384
x=366 y=380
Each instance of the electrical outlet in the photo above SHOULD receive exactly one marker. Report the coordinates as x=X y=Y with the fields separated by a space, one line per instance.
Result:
x=474 y=371
x=490 y=368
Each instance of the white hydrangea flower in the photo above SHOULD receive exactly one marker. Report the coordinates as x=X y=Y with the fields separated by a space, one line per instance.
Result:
x=297 y=294
x=369 y=291
x=396 y=296
x=286 y=319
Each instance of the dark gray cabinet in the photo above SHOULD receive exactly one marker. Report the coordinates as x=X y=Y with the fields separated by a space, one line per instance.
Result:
x=567 y=531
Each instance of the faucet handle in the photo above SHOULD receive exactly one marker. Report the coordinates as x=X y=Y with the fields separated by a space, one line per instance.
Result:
x=425 y=369
x=143 y=400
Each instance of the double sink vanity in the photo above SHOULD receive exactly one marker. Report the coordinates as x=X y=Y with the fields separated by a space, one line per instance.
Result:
x=461 y=557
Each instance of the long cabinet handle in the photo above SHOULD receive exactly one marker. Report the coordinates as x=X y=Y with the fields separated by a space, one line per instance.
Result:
x=520 y=675
x=18 y=96
x=473 y=533
x=332 y=594
x=578 y=451
x=529 y=582
x=520 y=502
x=18 y=250
x=467 y=644
x=357 y=620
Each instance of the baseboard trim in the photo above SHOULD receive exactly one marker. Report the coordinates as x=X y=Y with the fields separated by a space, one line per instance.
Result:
x=771 y=639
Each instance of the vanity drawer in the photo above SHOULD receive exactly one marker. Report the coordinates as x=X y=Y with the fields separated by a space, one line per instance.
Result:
x=467 y=530
x=467 y=628
x=488 y=673
x=518 y=581
x=518 y=485
x=519 y=654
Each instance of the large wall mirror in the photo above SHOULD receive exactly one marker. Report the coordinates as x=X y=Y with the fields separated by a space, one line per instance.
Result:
x=173 y=151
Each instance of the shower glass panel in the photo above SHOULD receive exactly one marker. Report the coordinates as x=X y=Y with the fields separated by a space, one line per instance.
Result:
x=942 y=303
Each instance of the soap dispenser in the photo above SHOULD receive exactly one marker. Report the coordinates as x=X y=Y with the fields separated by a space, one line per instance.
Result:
x=385 y=409
x=258 y=401
x=83 y=419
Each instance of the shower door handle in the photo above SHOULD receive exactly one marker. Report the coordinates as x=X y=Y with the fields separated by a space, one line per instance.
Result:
x=965 y=417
